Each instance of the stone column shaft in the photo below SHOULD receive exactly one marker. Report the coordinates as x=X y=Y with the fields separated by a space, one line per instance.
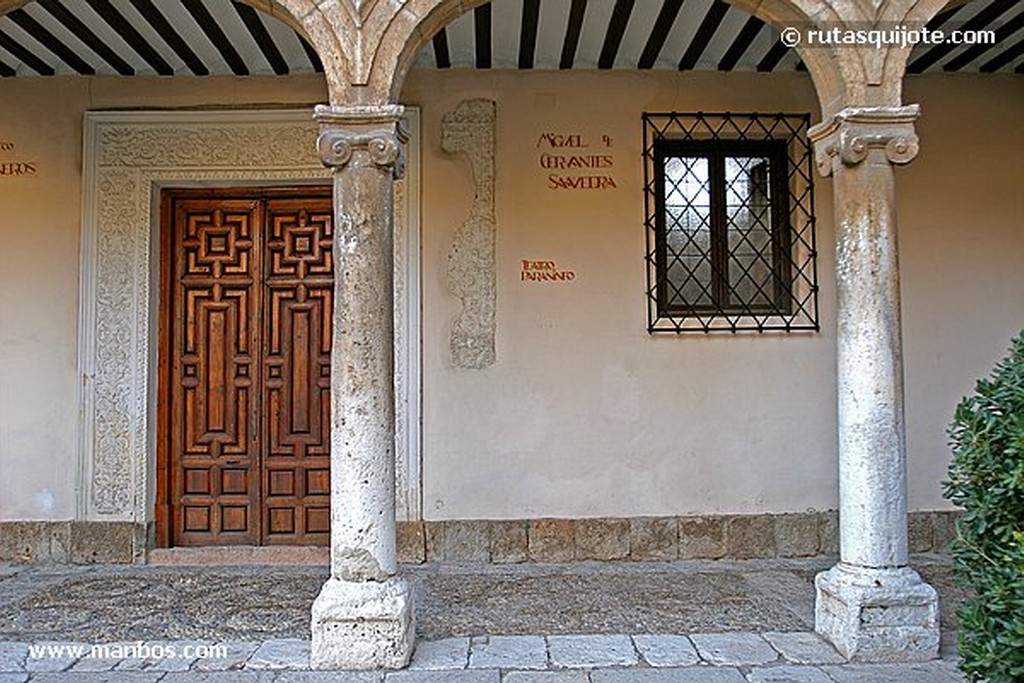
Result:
x=363 y=617
x=871 y=605
x=362 y=361
x=873 y=491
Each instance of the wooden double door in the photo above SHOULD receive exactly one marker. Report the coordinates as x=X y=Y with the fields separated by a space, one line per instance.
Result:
x=245 y=342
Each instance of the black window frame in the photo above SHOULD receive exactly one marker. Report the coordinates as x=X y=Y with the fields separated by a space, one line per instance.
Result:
x=786 y=300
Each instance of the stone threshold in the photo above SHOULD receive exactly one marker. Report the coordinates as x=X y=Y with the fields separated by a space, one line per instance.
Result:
x=239 y=556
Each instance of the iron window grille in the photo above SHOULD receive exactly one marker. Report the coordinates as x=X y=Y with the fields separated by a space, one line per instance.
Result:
x=729 y=202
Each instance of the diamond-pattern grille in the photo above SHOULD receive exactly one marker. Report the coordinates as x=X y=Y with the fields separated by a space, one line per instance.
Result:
x=730 y=223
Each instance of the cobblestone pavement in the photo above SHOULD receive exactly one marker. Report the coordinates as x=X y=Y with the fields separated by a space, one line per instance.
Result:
x=707 y=622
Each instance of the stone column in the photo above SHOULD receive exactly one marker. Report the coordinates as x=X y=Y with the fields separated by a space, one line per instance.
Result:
x=363 y=617
x=871 y=605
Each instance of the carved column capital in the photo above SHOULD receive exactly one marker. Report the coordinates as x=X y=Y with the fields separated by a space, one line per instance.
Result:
x=362 y=135
x=855 y=132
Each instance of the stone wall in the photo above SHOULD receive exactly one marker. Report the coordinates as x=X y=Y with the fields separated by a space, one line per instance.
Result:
x=73 y=542
x=641 y=539
x=737 y=537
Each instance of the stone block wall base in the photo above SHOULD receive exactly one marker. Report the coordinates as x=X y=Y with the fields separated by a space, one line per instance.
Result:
x=877 y=615
x=363 y=625
x=75 y=542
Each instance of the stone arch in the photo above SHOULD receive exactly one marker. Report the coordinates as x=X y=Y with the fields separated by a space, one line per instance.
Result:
x=839 y=76
x=909 y=13
x=324 y=29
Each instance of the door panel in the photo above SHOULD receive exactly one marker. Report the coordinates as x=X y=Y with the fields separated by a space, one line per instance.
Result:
x=298 y=289
x=249 y=395
x=213 y=361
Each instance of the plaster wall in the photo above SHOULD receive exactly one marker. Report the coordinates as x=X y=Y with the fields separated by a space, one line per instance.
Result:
x=961 y=222
x=40 y=223
x=586 y=414
x=583 y=413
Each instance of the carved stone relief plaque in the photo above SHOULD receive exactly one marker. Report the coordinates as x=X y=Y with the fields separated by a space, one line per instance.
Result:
x=469 y=130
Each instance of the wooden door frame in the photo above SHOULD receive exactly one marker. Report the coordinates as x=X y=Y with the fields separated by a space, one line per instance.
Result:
x=164 y=503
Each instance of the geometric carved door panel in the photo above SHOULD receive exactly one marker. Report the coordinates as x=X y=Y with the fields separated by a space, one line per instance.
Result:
x=249 y=337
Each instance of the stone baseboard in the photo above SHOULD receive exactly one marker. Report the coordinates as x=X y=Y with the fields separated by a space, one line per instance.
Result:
x=72 y=542
x=710 y=537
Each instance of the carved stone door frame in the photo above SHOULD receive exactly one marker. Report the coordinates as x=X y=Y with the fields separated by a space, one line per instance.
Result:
x=128 y=157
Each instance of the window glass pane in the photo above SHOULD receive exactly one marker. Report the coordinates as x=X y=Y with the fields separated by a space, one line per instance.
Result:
x=688 y=231
x=749 y=229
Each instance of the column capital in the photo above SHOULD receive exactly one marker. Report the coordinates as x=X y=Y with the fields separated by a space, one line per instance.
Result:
x=379 y=131
x=854 y=132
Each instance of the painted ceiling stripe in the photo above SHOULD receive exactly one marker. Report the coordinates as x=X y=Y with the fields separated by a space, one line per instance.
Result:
x=1003 y=58
x=975 y=51
x=482 y=35
x=170 y=35
x=213 y=31
x=311 y=55
x=506 y=21
x=50 y=42
x=441 y=55
x=979 y=21
x=259 y=33
x=528 y=33
x=666 y=17
x=223 y=36
x=462 y=41
x=772 y=57
x=616 y=29
x=943 y=16
x=703 y=36
x=741 y=44
x=26 y=57
x=572 y=33
x=123 y=28
x=86 y=35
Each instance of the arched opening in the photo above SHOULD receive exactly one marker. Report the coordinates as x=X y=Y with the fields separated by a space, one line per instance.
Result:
x=826 y=68
x=567 y=302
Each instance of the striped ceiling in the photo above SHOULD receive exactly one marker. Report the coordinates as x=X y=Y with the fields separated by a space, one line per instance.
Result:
x=201 y=37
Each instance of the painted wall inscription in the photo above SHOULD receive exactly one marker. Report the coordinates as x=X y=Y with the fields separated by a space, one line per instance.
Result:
x=13 y=169
x=544 y=271
x=573 y=163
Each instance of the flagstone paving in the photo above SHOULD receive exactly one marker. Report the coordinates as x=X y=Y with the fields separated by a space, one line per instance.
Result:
x=678 y=622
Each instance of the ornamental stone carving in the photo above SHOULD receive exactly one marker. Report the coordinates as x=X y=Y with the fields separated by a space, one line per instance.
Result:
x=850 y=136
x=469 y=130
x=383 y=148
x=127 y=156
x=278 y=146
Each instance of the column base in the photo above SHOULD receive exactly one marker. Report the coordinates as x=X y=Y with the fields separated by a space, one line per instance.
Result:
x=877 y=615
x=363 y=625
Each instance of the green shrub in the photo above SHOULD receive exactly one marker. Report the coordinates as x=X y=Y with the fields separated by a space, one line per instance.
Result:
x=986 y=478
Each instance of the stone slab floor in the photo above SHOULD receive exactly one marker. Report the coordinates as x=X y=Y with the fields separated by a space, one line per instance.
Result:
x=707 y=622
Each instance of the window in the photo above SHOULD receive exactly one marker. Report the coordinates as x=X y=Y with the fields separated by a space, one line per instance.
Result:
x=730 y=223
